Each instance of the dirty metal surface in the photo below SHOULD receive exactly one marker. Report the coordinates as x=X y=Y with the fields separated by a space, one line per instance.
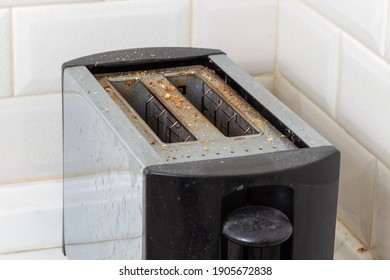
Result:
x=190 y=113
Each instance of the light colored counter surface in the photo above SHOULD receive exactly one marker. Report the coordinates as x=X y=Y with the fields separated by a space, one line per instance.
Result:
x=347 y=247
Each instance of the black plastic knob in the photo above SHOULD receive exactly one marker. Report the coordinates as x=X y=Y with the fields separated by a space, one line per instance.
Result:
x=257 y=226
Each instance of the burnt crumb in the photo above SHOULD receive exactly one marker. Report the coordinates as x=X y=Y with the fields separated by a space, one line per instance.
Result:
x=170 y=88
x=361 y=250
x=108 y=89
x=128 y=82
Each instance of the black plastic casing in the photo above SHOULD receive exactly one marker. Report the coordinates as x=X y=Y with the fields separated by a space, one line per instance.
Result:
x=186 y=202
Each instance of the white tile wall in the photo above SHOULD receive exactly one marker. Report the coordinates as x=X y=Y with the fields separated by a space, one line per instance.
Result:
x=381 y=240
x=30 y=216
x=364 y=19
x=308 y=51
x=31 y=141
x=357 y=164
x=245 y=30
x=5 y=54
x=45 y=37
x=316 y=78
x=364 y=99
x=332 y=70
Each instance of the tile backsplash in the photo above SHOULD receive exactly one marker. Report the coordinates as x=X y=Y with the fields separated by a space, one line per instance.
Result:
x=327 y=60
x=220 y=24
x=45 y=37
x=333 y=70
x=311 y=64
x=30 y=215
x=30 y=145
x=364 y=97
x=363 y=19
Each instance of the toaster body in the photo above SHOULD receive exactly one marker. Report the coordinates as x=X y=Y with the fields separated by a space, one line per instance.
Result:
x=176 y=153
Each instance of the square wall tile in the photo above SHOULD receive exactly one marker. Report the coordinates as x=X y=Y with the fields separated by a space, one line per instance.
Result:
x=5 y=54
x=364 y=97
x=381 y=229
x=363 y=19
x=308 y=52
x=46 y=37
x=31 y=138
x=30 y=216
x=357 y=172
x=245 y=30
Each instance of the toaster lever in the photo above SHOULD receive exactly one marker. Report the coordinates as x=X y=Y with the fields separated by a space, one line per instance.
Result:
x=255 y=232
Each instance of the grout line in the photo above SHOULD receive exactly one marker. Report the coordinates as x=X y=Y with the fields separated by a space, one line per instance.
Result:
x=374 y=206
x=264 y=75
x=98 y=172
x=191 y=23
x=336 y=97
x=30 y=251
x=107 y=240
x=387 y=30
x=31 y=180
x=276 y=57
x=29 y=96
x=12 y=50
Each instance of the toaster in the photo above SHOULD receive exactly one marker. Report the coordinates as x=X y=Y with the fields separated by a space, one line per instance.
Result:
x=177 y=153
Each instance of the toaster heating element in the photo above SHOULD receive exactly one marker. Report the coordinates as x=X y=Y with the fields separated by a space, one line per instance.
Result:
x=176 y=153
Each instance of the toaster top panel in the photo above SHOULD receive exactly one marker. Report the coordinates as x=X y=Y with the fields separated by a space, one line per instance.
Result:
x=192 y=112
